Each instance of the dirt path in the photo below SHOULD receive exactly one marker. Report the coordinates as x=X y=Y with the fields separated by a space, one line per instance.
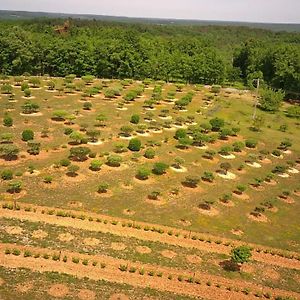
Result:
x=218 y=287
x=141 y=234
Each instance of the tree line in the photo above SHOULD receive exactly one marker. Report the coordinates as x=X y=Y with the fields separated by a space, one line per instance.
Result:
x=191 y=54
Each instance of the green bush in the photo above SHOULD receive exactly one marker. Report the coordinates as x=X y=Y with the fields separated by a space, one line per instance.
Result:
x=7 y=121
x=27 y=135
x=160 y=168
x=7 y=174
x=149 y=153
x=135 y=144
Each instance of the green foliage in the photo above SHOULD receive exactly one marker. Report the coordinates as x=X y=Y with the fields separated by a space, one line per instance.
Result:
x=7 y=175
x=7 y=121
x=160 y=168
x=217 y=124
x=293 y=112
x=27 y=135
x=135 y=119
x=143 y=173
x=9 y=152
x=79 y=153
x=72 y=170
x=135 y=144
x=102 y=187
x=29 y=107
x=149 y=153
x=114 y=160
x=241 y=254
x=271 y=100
x=95 y=165
x=180 y=133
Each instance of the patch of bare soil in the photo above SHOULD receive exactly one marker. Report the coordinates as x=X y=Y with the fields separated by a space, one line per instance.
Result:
x=227 y=204
x=271 y=182
x=168 y=254
x=228 y=175
x=147 y=181
x=128 y=212
x=58 y=290
x=271 y=274
x=78 y=178
x=118 y=246
x=266 y=161
x=24 y=287
x=297 y=193
x=13 y=230
x=66 y=237
x=254 y=165
x=143 y=249
x=185 y=223
x=118 y=297
x=91 y=241
x=39 y=234
x=242 y=196
x=1 y=281
x=157 y=202
x=237 y=232
x=86 y=295
x=126 y=186
x=107 y=194
x=211 y=212
x=75 y=204
x=287 y=200
x=247 y=268
x=262 y=218
x=194 y=259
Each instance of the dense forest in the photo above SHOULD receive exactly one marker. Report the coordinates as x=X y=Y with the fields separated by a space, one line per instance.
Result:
x=194 y=54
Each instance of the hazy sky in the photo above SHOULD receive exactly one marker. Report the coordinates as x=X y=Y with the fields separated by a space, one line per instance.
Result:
x=284 y=11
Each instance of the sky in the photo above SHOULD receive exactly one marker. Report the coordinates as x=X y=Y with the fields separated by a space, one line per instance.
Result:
x=267 y=11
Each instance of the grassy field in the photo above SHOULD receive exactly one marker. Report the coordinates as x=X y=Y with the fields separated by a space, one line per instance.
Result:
x=127 y=197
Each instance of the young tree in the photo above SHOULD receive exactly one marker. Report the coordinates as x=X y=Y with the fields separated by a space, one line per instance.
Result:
x=225 y=167
x=114 y=160
x=7 y=175
x=9 y=152
x=76 y=137
x=191 y=181
x=135 y=119
x=160 y=168
x=30 y=107
x=180 y=133
x=95 y=165
x=79 y=153
x=7 y=121
x=149 y=153
x=102 y=188
x=101 y=119
x=72 y=170
x=135 y=144
x=143 y=173
x=14 y=187
x=217 y=123
x=93 y=135
x=27 y=135
x=6 y=137
x=271 y=100
x=241 y=254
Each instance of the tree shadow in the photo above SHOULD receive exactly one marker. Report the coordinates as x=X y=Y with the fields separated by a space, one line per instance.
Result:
x=230 y=266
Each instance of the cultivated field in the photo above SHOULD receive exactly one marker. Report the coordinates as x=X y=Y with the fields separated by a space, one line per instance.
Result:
x=140 y=190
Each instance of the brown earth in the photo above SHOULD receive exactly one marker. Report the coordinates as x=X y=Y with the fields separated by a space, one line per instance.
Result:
x=58 y=290
x=149 y=235
x=86 y=295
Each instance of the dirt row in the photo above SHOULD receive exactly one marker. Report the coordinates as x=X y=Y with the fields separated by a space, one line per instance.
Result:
x=119 y=230
x=207 y=286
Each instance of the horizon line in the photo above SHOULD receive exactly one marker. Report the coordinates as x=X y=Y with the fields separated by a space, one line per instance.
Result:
x=151 y=18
